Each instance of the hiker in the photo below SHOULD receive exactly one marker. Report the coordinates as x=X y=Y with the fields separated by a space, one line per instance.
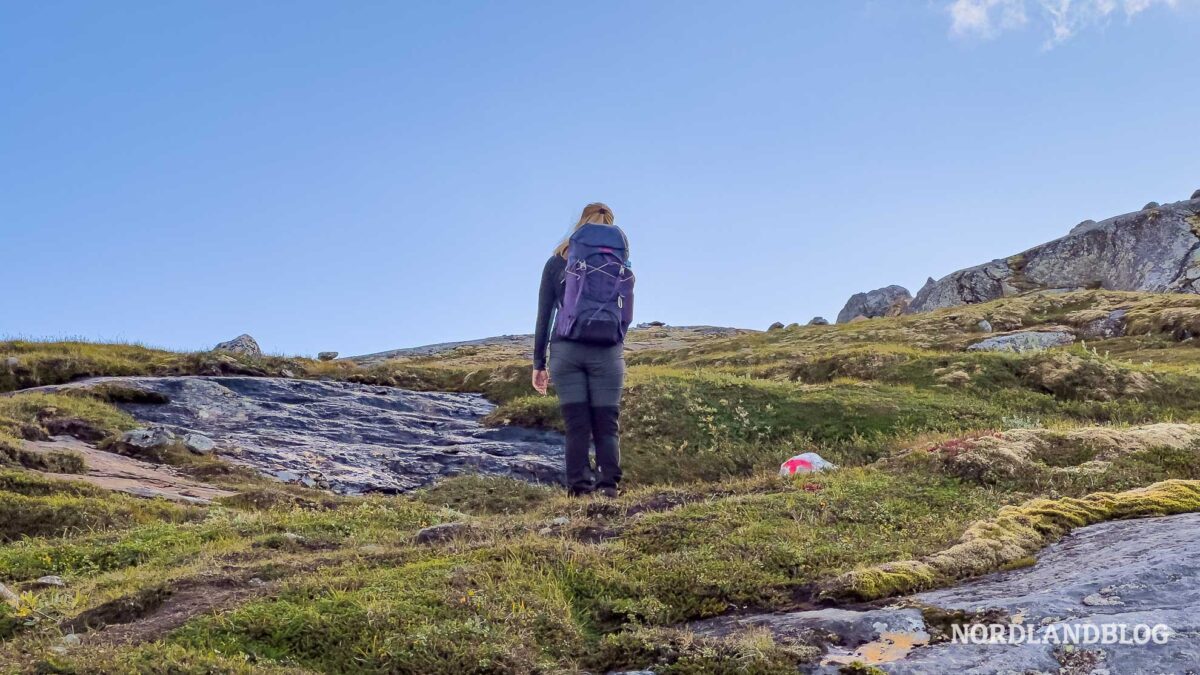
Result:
x=585 y=307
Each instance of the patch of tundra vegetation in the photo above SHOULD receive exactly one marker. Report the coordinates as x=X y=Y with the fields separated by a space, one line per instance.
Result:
x=955 y=464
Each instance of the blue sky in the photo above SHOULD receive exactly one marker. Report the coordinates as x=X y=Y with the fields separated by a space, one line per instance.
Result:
x=368 y=175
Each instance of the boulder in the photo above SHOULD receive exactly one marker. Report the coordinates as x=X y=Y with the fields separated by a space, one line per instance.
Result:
x=775 y=326
x=1150 y=250
x=1111 y=326
x=49 y=581
x=12 y=362
x=886 y=301
x=984 y=326
x=1151 y=205
x=242 y=344
x=199 y=444
x=1196 y=194
x=148 y=439
x=438 y=533
x=1025 y=341
x=327 y=356
x=818 y=321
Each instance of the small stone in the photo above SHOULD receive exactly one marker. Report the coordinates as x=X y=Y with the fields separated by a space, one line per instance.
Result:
x=8 y=596
x=12 y=362
x=818 y=321
x=439 y=533
x=292 y=537
x=242 y=344
x=287 y=373
x=984 y=326
x=65 y=644
x=561 y=520
x=1150 y=205
x=327 y=356
x=778 y=325
x=50 y=580
x=199 y=444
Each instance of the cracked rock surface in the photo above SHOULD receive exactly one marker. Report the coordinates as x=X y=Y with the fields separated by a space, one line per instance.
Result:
x=357 y=438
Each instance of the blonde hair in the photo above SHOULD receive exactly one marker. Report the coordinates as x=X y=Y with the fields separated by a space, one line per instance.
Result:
x=595 y=213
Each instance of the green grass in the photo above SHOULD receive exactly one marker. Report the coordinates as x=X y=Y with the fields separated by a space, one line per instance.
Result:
x=954 y=464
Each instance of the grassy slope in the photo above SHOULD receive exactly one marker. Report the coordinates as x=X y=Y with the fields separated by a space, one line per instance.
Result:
x=930 y=492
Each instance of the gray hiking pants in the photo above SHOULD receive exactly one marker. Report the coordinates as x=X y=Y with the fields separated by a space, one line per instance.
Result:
x=589 y=379
x=584 y=373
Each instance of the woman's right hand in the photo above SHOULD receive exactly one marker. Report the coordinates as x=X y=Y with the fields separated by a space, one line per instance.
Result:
x=541 y=381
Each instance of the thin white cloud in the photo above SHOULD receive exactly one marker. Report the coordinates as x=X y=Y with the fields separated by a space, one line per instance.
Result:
x=1063 y=19
x=985 y=18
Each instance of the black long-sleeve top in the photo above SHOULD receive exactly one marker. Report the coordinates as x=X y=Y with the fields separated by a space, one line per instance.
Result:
x=550 y=298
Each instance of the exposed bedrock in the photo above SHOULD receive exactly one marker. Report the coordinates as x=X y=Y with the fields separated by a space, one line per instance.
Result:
x=358 y=438
x=1129 y=572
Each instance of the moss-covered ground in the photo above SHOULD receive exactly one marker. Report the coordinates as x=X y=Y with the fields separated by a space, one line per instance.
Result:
x=953 y=464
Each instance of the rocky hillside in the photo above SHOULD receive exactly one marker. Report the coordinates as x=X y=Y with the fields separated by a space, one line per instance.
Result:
x=655 y=335
x=1010 y=461
x=1156 y=249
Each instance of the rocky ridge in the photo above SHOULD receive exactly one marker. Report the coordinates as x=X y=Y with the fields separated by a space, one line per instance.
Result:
x=1156 y=249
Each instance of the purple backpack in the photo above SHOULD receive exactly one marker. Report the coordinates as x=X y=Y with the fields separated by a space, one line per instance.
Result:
x=598 y=302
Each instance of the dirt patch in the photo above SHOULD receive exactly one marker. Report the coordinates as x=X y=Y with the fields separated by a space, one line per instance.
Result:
x=660 y=502
x=150 y=614
x=126 y=474
x=594 y=534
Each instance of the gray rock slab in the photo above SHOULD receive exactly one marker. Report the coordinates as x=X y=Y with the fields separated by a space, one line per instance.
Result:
x=359 y=438
x=1152 y=564
x=1144 y=571
x=1025 y=341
